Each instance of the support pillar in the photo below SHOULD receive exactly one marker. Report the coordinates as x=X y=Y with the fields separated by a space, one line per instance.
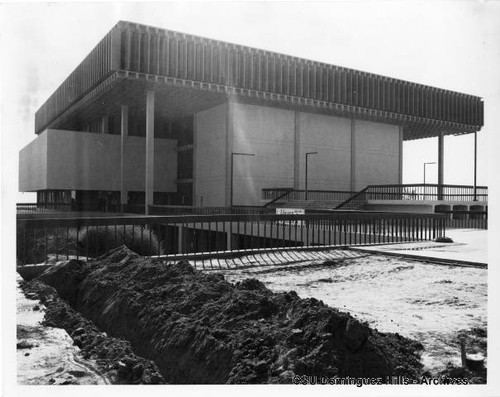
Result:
x=105 y=125
x=229 y=150
x=296 y=155
x=150 y=148
x=475 y=165
x=194 y=176
x=353 y=155
x=400 y=172
x=440 y=164
x=124 y=135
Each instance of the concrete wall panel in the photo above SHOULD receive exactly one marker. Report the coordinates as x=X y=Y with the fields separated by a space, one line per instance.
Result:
x=331 y=138
x=377 y=154
x=33 y=165
x=269 y=134
x=86 y=161
x=210 y=156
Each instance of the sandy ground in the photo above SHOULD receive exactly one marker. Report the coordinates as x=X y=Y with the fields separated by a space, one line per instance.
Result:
x=46 y=355
x=429 y=303
x=426 y=302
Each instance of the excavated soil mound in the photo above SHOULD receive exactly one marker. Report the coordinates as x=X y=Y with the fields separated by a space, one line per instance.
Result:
x=199 y=328
x=114 y=356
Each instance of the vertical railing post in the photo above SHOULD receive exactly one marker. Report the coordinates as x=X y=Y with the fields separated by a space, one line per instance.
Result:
x=307 y=232
x=180 y=245
x=229 y=237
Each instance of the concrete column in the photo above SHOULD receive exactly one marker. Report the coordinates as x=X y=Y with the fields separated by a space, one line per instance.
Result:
x=105 y=125
x=150 y=148
x=440 y=164
x=353 y=155
x=229 y=149
x=296 y=155
x=475 y=165
x=124 y=135
x=195 y=199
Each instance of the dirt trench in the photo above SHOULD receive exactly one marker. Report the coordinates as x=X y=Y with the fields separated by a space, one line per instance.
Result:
x=199 y=328
x=114 y=357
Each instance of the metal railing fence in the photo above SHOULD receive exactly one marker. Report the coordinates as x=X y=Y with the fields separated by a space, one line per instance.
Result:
x=455 y=219
x=185 y=210
x=417 y=192
x=32 y=208
x=424 y=192
x=281 y=196
x=174 y=236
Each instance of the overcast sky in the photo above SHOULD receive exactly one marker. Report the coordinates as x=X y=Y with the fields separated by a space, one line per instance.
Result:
x=452 y=45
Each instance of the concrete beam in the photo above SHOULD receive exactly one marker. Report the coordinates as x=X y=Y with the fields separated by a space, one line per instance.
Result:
x=150 y=148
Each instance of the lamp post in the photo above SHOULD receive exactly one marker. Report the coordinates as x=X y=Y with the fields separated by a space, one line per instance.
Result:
x=433 y=162
x=425 y=164
x=232 y=171
x=307 y=158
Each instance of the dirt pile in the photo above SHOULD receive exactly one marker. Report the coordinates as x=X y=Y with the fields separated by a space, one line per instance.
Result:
x=199 y=328
x=114 y=357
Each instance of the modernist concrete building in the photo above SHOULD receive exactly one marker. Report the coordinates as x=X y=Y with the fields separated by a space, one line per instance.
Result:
x=159 y=117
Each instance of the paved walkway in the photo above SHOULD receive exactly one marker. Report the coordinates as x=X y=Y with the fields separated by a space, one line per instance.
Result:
x=469 y=246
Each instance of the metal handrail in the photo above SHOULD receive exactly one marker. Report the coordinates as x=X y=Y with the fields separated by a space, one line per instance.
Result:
x=280 y=197
x=181 y=234
x=429 y=192
x=352 y=198
x=428 y=185
x=42 y=207
x=182 y=219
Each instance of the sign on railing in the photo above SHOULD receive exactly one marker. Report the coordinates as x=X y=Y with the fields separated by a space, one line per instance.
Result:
x=291 y=211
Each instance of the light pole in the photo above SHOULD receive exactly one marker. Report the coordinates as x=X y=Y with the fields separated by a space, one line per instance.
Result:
x=425 y=195
x=307 y=158
x=433 y=162
x=232 y=171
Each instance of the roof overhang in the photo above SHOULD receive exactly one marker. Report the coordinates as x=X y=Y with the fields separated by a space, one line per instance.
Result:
x=178 y=98
x=191 y=73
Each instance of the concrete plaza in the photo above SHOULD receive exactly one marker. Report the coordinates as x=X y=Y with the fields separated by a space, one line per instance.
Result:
x=468 y=246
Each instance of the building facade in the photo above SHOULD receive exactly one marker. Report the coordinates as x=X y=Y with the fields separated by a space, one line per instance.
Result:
x=153 y=116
